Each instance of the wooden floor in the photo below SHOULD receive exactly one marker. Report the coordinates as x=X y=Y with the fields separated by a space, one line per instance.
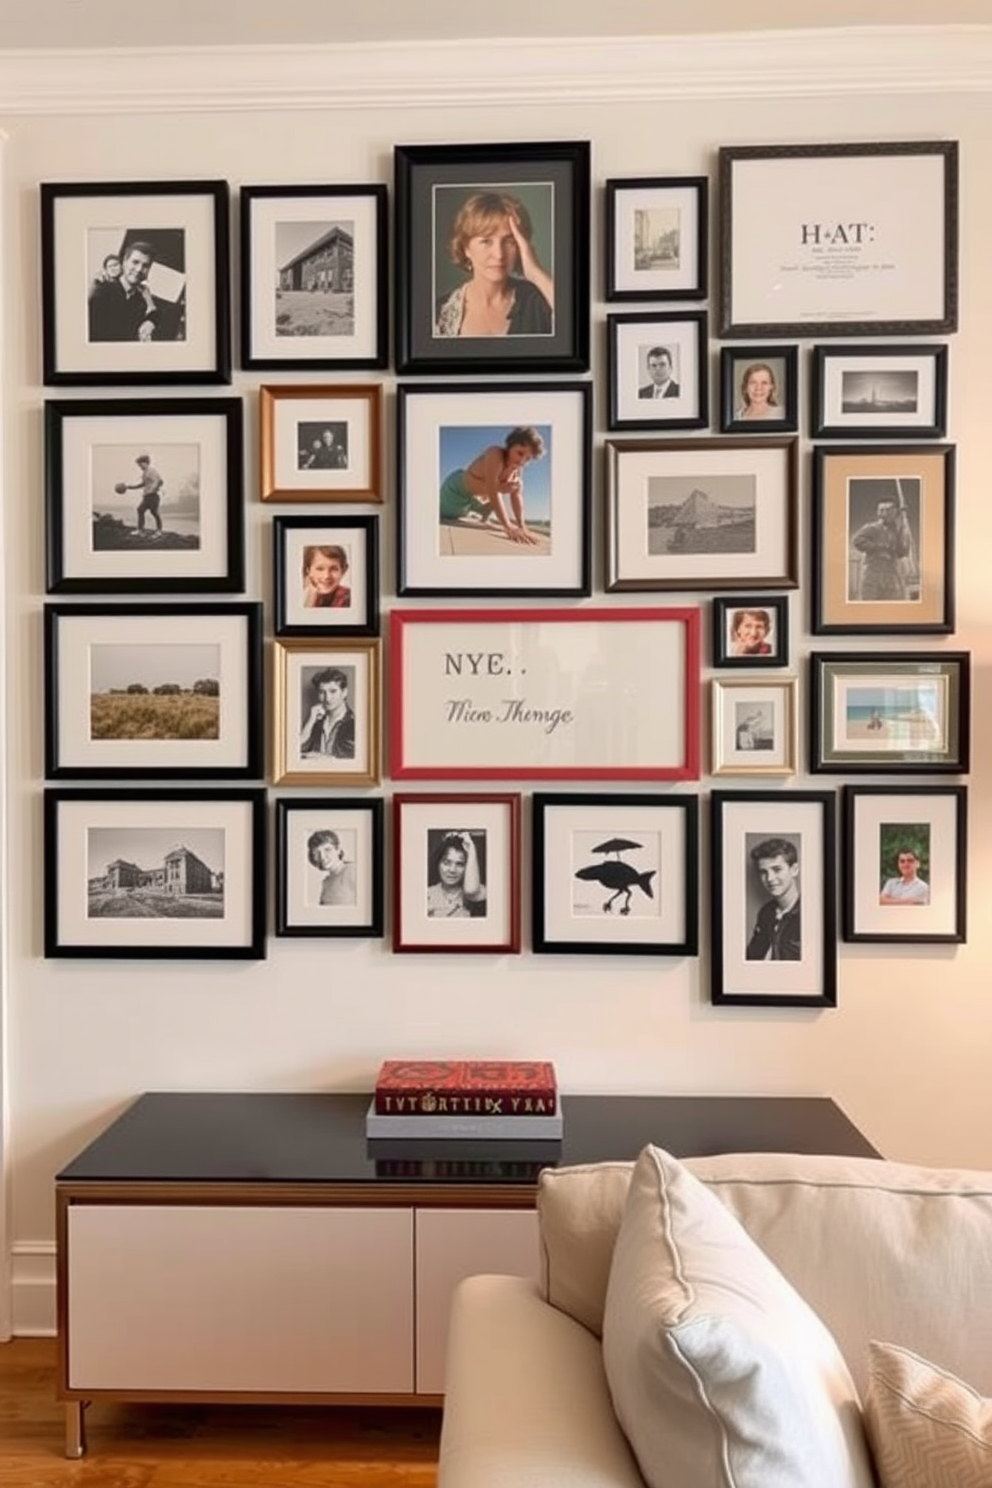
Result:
x=184 y=1446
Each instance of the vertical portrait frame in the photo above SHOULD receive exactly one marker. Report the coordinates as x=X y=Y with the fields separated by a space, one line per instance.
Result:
x=354 y=906
x=357 y=536
x=636 y=343
x=781 y=366
x=753 y=726
x=297 y=668
x=678 y=267
x=771 y=649
x=881 y=903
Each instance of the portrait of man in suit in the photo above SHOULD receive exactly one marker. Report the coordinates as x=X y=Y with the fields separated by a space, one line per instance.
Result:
x=662 y=374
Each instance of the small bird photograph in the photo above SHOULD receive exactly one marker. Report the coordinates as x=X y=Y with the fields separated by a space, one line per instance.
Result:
x=620 y=879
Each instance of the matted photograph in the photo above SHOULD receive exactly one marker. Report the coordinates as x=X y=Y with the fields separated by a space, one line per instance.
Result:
x=326 y=575
x=658 y=372
x=328 y=727
x=321 y=443
x=134 y=282
x=656 y=238
x=701 y=513
x=615 y=874
x=492 y=255
x=751 y=630
x=456 y=861
x=314 y=291
x=329 y=867
x=144 y=495
x=879 y=392
x=883 y=540
x=905 y=860
x=774 y=903
x=163 y=874
x=753 y=727
x=160 y=690
x=759 y=389
x=494 y=489
x=905 y=712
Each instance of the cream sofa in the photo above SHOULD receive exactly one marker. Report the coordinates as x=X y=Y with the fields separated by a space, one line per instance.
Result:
x=677 y=1336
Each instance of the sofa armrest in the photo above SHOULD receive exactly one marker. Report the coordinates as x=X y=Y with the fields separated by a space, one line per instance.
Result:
x=527 y=1404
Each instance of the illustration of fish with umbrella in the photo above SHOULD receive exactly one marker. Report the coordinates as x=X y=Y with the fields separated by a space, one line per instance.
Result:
x=616 y=874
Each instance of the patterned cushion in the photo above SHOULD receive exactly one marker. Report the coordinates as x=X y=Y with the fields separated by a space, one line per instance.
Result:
x=927 y=1428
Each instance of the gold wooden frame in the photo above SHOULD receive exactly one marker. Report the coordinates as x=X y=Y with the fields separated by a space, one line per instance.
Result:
x=287 y=764
x=321 y=486
x=737 y=761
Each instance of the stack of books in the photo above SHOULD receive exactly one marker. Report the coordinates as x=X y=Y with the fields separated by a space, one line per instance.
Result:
x=503 y=1099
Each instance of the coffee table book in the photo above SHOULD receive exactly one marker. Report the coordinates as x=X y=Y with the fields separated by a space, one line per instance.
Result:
x=492 y=1088
x=460 y=1128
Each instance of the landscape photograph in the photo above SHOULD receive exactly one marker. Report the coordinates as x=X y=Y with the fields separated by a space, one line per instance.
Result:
x=155 y=691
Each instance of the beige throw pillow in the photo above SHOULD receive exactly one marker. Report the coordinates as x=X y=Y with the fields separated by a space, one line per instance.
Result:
x=720 y=1374
x=927 y=1428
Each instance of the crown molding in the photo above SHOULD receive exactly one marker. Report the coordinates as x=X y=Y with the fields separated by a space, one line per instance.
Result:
x=824 y=61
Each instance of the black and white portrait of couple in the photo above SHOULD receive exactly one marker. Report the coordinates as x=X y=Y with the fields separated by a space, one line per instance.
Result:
x=137 y=284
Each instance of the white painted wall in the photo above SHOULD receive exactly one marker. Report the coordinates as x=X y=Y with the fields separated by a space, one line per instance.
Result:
x=906 y=1053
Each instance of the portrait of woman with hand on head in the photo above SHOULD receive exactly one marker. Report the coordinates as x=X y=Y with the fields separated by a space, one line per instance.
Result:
x=454 y=882
x=506 y=291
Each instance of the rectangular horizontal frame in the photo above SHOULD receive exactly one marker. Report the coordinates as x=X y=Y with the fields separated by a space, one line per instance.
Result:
x=291 y=763
x=949 y=672
x=904 y=412
x=503 y=655
x=343 y=903
x=933 y=915
x=285 y=411
x=687 y=199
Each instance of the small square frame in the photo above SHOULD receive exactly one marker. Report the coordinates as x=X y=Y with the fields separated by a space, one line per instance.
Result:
x=355 y=753
x=674 y=341
x=890 y=712
x=295 y=540
x=314 y=257
x=753 y=726
x=298 y=464
x=921 y=828
x=766 y=641
x=774 y=371
x=657 y=245
x=879 y=392
x=642 y=852
x=426 y=917
x=799 y=828
x=314 y=898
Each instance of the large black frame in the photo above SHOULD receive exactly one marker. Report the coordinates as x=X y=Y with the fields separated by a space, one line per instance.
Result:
x=335 y=809
x=561 y=168
x=949 y=906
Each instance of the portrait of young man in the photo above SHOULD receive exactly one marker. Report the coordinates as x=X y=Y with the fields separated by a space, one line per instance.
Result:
x=776 y=929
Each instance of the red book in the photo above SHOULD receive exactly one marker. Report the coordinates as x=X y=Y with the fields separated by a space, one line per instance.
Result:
x=466 y=1087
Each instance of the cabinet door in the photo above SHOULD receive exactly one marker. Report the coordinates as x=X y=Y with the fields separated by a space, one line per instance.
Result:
x=176 y=1297
x=451 y=1244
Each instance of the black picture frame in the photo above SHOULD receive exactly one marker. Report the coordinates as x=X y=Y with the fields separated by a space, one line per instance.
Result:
x=442 y=429
x=138 y=827
x=354 y=906
x=583 y=921
x=358 y=538
x=925 y=694
x=883 y=539
x=84 y=226
x=770 y=612
x=780 y=367
x=906 y=397
x=797 y=946
x=90 y=550
x=118 y=708
x=354 y=309
x=552 y=182
x=674 y=210
x=676 y=341
x=905 y=864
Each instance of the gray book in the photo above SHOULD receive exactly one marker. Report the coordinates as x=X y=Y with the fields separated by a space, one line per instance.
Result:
x=455 y=1128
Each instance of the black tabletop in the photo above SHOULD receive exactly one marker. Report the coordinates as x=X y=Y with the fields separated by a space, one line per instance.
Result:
x=262 y=1137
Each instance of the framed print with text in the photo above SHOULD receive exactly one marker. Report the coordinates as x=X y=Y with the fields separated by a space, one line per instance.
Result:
x=326 y=572
x=753 y=726
x=759 y=389
x=544 y=694
x=492 y=257
x=701 y=513
x=328 y=726
x=456 y=873
x=879 y=392
x=895 y=711
x=774 y=901
x=321 y=443
x=751 y=630
x=883 y=540
x=314 y=290
x=144 y=495
x=839 y=240
x=657 y=246
x=494 y=489
x=135 y=278
x=906 y=860
x=658 y=372
x=329 y=866
x=615 y=874
x=155 y=874
x=153 y=691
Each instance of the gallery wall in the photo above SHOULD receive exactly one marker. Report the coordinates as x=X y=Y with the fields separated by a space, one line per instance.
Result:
x=905 y=1052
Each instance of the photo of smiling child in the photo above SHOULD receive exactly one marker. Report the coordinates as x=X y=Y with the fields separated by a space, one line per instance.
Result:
x=324 y=570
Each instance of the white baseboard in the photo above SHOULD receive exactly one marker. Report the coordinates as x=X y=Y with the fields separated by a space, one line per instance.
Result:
x=33 y=1286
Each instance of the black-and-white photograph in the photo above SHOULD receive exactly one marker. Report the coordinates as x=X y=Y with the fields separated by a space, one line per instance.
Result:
x=327 y=718
x=145 y=498
x=155 y=872
x=137 y=283
x=754 y=725
x=315 y=278
x=879 y=392
x=456 y=873
x=883 y=517
x=617 y=874
x=322 y=444
x=876 y=391
x=773 y=886
x=329 y=867
x=331 y=854
x=658 y=370
x=326 y=715
x=701 y=514
x=656 y=238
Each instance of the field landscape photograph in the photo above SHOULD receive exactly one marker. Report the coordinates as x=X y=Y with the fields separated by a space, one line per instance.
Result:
x=155 y=691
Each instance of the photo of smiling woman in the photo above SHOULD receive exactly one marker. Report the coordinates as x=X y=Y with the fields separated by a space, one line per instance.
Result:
x=489 y=276
x=456 y=888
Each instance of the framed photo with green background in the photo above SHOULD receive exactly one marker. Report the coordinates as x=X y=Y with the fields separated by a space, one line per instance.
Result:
x=906 y=862
x=492 y=257
x=905 y=712
x=883 y=540
x=657 y=246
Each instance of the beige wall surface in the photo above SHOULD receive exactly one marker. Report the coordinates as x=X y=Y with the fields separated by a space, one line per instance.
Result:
x=906 y=1051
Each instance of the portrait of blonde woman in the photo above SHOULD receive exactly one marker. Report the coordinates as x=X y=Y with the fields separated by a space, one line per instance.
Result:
x=759 y=388
x=503 y=288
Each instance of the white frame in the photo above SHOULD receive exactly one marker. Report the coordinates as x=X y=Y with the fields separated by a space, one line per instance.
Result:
x=282 y=408
x=776 y=694
x=358 y=825
x=289 y=658
x=498 y=930
x=942 y=919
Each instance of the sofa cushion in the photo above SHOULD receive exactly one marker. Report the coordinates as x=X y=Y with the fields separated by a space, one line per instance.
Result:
x=927 y=1428
x=579 y=1211
x=720 y=1374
